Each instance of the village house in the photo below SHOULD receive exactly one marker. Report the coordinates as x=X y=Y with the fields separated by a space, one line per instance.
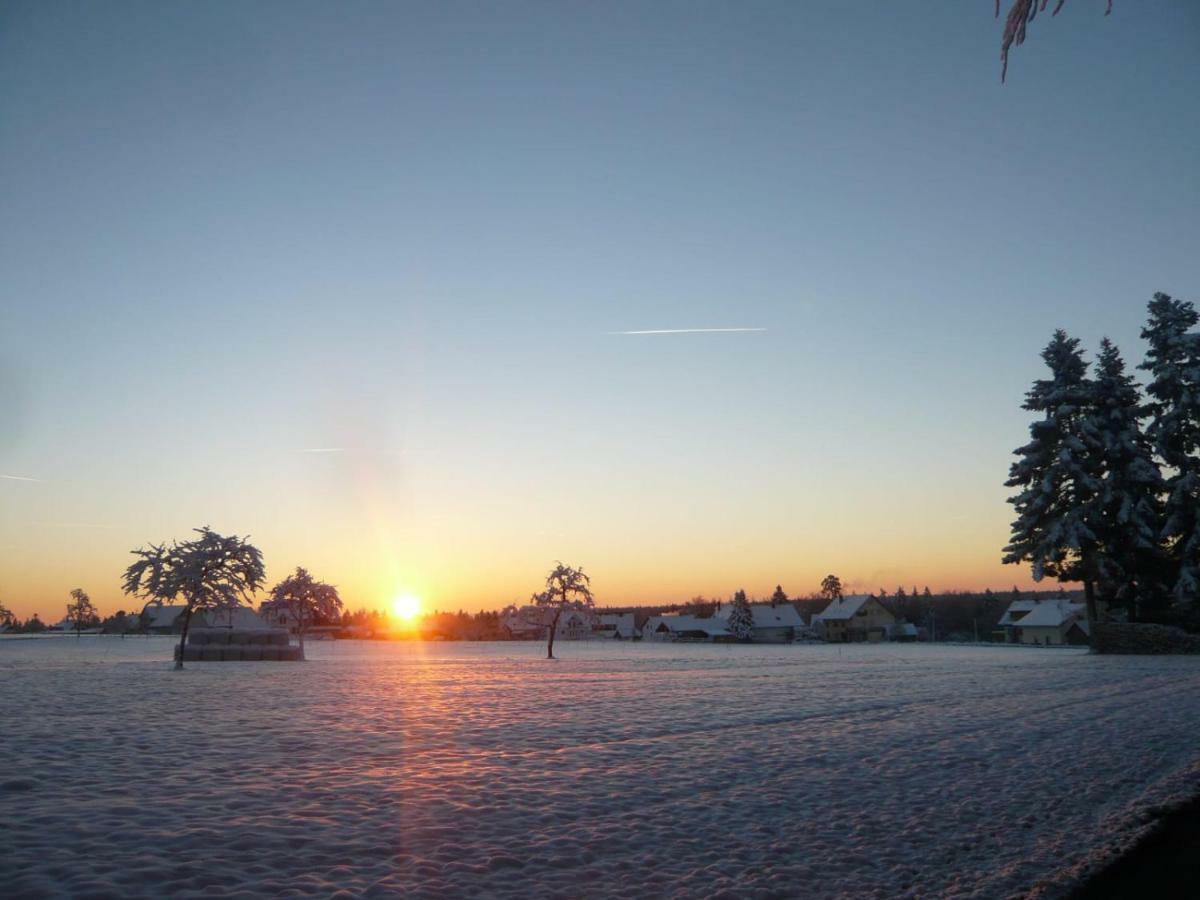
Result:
x=1054 y=622
x=685 y=628
x=530 y=623
x=773 y=623
x=854 y=619
x=620 y=626
x=160 y=618
x=1015 y=612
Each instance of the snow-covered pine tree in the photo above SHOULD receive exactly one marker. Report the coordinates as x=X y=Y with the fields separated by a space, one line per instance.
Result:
x=1126 y=514
x=1173 y=408
x=1054 y=473
x=741 y=619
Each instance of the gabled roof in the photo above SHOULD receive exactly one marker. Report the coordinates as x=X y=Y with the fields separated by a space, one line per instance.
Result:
x=783 y=615
x=845 y=608
x=1053 y=614
x=713 y=627
x=1016 y=610
x=623 y=623
x=162 y=616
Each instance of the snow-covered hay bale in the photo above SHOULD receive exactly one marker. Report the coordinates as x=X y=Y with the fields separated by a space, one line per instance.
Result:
x=217 y=636
x=210 y=653
x=252 y=652
x=198 y=637
x=290 y=654
x=270 y=652
x=232 y=653
x=278 y=638
x=245 y=637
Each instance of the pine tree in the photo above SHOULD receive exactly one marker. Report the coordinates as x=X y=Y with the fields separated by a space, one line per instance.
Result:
x=1055 y=475
x=1173 y=362
x=741 y=620
x=1125 y=515
x=779 y=597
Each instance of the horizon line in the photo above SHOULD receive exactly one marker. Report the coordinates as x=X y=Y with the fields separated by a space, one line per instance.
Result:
x=687 y=331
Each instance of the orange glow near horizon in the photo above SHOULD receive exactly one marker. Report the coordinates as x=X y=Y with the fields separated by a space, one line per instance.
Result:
x=406 y=607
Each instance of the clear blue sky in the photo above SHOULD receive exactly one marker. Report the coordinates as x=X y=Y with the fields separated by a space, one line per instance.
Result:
x=230 y=232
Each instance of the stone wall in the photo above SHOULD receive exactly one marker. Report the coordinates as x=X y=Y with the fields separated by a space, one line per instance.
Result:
x=1125 y=637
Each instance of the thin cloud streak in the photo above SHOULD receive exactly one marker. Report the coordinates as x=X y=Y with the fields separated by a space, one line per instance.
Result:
x=688 y=331
x=19 y=478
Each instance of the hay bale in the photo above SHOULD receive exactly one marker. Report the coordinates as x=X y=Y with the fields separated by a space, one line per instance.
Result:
x=190 y=653
x=210 y=653
x=232 y=653
x=252 y=652
x=290 y=654
x=242 y=638
x=279 y=638
x=197 y=637
x=218 y=636
x=270 y=652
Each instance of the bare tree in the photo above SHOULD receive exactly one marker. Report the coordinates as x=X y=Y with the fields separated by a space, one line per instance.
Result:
x=209 y=572
x=6 y=616
x=1020 y=14
x=80 y=611
x=566 y=588
x=302 y=599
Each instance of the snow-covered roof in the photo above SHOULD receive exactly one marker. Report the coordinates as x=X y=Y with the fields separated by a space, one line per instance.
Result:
x=1016 y=610
x=1052 y=614
x=162 y=616
x=676 y=624
x=765 y=615
x=844 y=608
x=622 y=623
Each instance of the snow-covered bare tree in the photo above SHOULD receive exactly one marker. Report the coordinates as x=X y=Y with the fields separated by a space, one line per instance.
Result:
x=741 y=620
x=1020 y=14
x=80 y=611
x=299 y=600
x=1173 y=407
x=831 y=587
x=1056 y=476
x=566 y=588
x=1126 y=514
x=209 y=572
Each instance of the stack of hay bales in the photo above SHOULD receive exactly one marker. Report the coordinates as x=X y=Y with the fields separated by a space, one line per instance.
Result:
x=226 y=645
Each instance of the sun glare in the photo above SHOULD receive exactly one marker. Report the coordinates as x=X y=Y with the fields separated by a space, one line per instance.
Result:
x=406 y=607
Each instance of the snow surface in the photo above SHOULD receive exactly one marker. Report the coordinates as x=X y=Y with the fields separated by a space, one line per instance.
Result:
x=625 y=770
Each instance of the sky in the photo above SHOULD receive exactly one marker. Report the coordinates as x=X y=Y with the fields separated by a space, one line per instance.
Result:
x=413 y=236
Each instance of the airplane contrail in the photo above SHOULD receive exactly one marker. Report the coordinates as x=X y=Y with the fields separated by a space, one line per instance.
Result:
x=19 y=478
x=687 y=330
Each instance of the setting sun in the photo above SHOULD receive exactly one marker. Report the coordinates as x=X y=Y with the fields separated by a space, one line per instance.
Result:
x=406 y=607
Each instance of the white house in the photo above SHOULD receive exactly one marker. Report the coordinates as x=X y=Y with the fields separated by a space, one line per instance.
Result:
x=620 y=626
x=684 y=628
x=773 y=624
x=1054 y=622
x=530 y=623
x=1017 y=610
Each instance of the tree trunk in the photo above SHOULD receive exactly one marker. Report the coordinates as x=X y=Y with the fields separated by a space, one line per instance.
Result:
x=1089 y=593
x=553 y=628
x=300 y=632
x=187 y=621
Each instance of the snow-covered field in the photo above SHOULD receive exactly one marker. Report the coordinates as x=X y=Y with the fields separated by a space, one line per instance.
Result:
x=620 y=770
